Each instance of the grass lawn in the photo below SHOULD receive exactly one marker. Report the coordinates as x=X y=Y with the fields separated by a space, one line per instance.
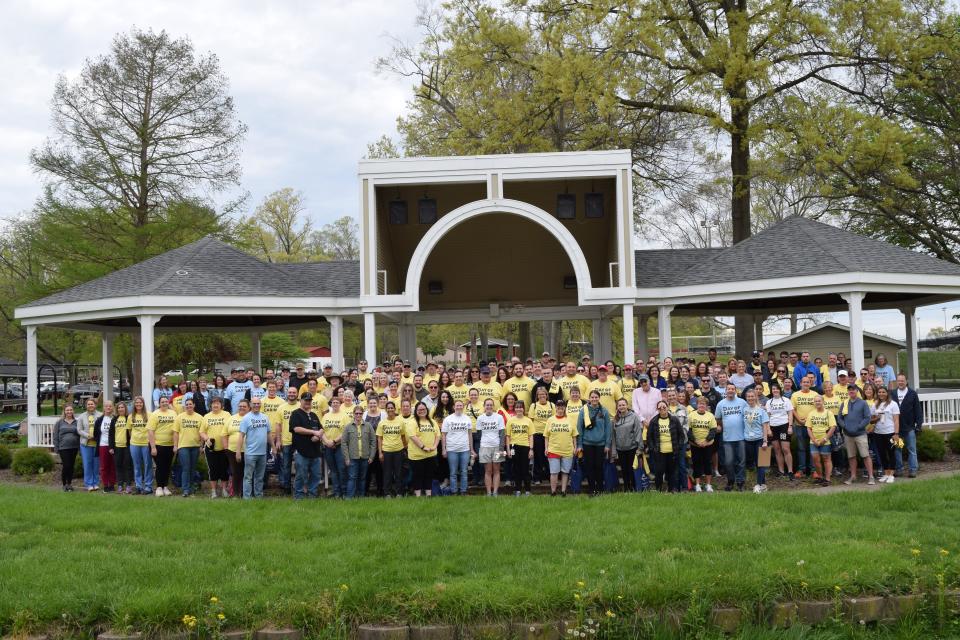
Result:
x=940 y=366
x=115 y=560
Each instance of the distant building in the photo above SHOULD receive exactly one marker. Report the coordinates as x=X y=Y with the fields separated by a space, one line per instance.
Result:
x=828 y=337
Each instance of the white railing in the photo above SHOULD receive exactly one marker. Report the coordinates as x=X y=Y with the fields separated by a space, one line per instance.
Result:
x=40 y=431
x=940 y=408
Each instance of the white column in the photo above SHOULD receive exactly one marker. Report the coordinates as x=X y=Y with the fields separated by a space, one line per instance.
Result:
x=106 y=343
x=664 y=331
x=256 y=360
x=33 y=384
x=147 y=372
x=913 y=357
x=855 y=306
x=643 y=348
x=336 y=342
x=627 y=333
x=370 y=339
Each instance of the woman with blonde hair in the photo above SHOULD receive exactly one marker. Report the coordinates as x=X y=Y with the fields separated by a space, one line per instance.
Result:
x=140 y=447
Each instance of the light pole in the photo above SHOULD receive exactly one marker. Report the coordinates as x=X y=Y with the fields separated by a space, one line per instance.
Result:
x=945 y=330
x=705 y=224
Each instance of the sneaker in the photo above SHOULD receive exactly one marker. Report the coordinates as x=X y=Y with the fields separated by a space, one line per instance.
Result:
x=128 y=491
x=213 y=493
x=553 y=494
x=166 y=492
x=729 y=487
x=563 y=494
x=763 y=488
x=912 y=474
x=891 y=479
x=883 y=479
x=848 y=481
x=739 y=487
x=527 y=493
x=698 y=489
x=159 y=492
x=516 y=493
x=871 y=481
x=709 y=488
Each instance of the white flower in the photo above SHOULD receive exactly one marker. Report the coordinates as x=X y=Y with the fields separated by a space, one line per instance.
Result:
x=589 y=620
x=800 y=563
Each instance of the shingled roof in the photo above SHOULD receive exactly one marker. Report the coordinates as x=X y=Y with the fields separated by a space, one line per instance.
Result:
x=212 y=266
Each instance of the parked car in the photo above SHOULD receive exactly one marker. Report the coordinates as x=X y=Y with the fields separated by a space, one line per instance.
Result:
x=47 y=388
x=174 y=372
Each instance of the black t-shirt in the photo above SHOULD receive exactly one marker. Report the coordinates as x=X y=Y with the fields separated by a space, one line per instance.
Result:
x=302 y=444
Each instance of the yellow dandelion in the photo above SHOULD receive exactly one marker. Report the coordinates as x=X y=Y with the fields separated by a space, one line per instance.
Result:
x=836 y=587
x=915 y=552
x=576 y=596
x=944 y=553
x=344 y=587
x=803 y=585
x=581 y=584
x=214 y=599
x=611 y=614
x=220 y=616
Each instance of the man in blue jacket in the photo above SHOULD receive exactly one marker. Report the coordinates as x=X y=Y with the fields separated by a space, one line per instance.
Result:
x=911 y=421
x=854 y=418
x=805 y=367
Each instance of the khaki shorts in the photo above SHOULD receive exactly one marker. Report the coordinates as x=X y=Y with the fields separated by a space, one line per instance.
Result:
x=490 y=454
x=857 y=445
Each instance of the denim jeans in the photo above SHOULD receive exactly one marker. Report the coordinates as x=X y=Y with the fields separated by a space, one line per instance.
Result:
x=735 y=455
x=188 y=463
x=753 y=451
x=357 y=478
x=308 y=474
x=333 y=458
x=910 y=445
x=254 y=469
x=142 y=467
x=682 y=468
x=803 y=462
x=91 y=466
x=457 y=461
x=286 y=462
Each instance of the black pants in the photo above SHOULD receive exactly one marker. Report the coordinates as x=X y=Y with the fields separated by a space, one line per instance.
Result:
x=625 y=462
x=423 y=472
x=392 y=472
x=665 y=471
x=520 y=468
x=236 y=472
x=541 y=470
x=216 y=464
x=885 y=450
x=702 y=460
x=124 y=462
x=375 y=475
x=593 y=466
x=164 y=460
x=68 y=461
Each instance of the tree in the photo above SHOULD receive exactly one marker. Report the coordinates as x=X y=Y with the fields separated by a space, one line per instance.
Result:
x=282 y=216
x=338 y=240
x=278 y=346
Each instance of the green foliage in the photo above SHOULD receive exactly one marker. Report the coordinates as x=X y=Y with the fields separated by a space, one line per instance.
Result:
x=338 y=240
x=29 y=462
x=930 y=446
x=10 y=437
x=5 y=457
x=278 y=346
x=954 y=441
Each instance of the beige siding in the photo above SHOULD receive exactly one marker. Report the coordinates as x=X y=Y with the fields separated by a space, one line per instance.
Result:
x=821 y=343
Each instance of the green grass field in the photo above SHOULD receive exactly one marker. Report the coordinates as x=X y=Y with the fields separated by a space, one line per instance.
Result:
x=115 y=560
x=942 y=366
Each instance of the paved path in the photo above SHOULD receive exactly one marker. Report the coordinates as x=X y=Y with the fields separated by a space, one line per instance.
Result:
x=861 y=483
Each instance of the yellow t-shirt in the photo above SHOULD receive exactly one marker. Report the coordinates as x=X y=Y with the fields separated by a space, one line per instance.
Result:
x=577 y=380
x=282 y=418
x=520 y=429
x=216 y=424
x=539 y=414
x=521 y=387
x=161 y=423
x=700 y=425
x=269 y=407
x=321 y=385
x=491 y=390
x=233 y=430
x=833 y=404
x=363 y=377
x=666 y=442
x=392 y=432
x=461 y=393
x=188 y=426
x=559 y=436
x=820 y=422
x=177 y=404
x=627 y=385
x=138 y=430
x=121 y=431
x=803 y=403
x=319 y=404
x=574 y=409
x=334 y=423
x=429 y=435
x=428 y=378
x=609 y=394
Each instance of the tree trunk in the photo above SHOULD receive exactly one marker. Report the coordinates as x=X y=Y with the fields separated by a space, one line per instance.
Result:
x=484 y=342
x=740 y=205
x=524 y=330
x=793 y=323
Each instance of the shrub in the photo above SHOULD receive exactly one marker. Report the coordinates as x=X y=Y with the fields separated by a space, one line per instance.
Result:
x=953 y=441
x=10 y=436
x=930 y=446
x=5 y=457
x=78 y=467
x=29 y=462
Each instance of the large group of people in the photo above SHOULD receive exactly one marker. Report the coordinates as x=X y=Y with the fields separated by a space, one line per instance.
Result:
x=397 y=429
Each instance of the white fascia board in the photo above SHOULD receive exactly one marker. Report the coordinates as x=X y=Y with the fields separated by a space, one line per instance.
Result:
x=423 y=167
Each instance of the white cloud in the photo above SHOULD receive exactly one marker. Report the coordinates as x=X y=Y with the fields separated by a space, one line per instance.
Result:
x=302 y=75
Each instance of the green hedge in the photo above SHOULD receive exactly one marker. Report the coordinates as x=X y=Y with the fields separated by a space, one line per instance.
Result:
x=29 y=462
x=954 y=441
x=930 y=446
x=5 y=457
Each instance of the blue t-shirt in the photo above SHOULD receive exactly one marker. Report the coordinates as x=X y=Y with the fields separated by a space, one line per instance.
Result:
x=730 y=414
x=161 y=393
x=257 y=392
x=237 y=391
x=753 y=420
x=256 y=430
x=887 y=373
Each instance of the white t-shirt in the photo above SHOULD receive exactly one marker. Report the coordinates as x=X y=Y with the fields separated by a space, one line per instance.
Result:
x=901 y=394
x=778 y=409
x=105 y=431
x=457 y=429
x=490 y=428
x=886 y=413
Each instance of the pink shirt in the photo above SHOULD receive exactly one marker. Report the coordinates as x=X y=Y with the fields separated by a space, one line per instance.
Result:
x=645 y=403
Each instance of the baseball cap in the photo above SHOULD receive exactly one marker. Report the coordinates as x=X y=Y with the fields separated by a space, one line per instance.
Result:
x=842 y=372
x=306 y=395
x=852 y=386
x=756 y=353
x=628 y=366
x=328 y=366
x=643 y=378
x=602 y=367
x=545 y=353
x=484 y=370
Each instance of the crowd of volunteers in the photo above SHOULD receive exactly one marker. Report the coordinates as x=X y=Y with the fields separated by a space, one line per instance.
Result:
x=395 y=430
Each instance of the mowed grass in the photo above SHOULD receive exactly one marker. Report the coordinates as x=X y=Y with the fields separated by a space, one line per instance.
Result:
x=111 y=560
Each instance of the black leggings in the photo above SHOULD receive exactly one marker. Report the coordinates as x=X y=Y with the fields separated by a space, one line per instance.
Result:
x=541 y=469
x=216 y=464
x=68 y=461
x=164 y=460
x=124 y=464
x=520 y=466
x=625 y=462
x=423 y=472
x=702 y=460
x=593 y=466
x=392 y=472
x=236 y=472
x=665 y=471
x=885 y=449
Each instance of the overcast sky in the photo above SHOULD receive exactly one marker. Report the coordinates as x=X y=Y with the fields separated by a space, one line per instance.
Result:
x=302 y=74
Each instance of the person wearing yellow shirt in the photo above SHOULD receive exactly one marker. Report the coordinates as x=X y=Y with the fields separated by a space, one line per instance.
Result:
x=431 y=374
x=608 y=389
x=520 y=448
x=560 y=440
x=176 y=401
x=520 y=384
x=140 y=447
x=663 y=441
x=573 y=379
x=574 y=405
x=423 y=441
x=803 y=404
x=362 y=374
x=832 y=401
x=270 y=402
x=160 y=431
x=279 y=414
x=391 y=441
x=186 y=444
x=235 y=454
x=487 y=387
x=821 y=425
x=628 y=382
x=322 y=383
x=458 y=390
x=213 y=433
x=333 y=423
x=120 y=449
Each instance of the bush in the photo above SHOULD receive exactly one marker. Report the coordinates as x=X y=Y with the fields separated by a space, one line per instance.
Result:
x=10 y=436
x=29 y=462
x=78 y=467
x=5 y=457
x=954 y=441
x=930 y=446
